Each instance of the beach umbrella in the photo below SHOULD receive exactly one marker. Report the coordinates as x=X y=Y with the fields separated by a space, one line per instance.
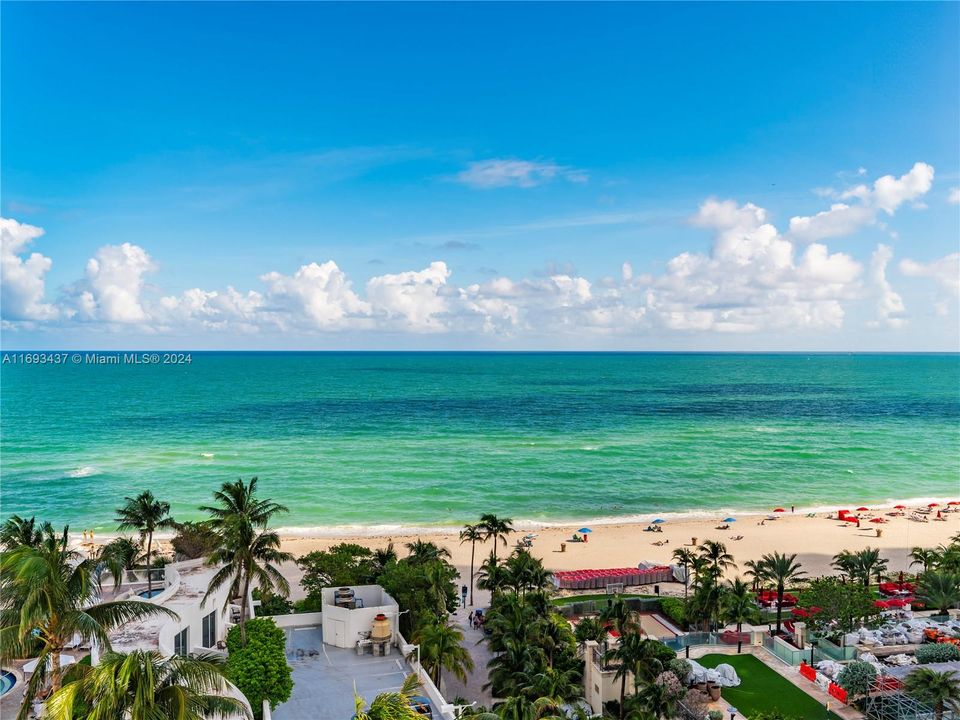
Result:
x=65 y=660
x=877 y=520
x=933 y=504
x=584 y=530
x=862 y=509
x=658 y=521
x=779 y=510
x=899 y=507
x=729 y=519
x=954 y=502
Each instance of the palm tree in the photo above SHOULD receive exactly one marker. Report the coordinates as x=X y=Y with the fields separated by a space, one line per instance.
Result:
x=737 y=605
x=441 y=649
x=846 y=562
x=753 y=572
x=422 y=552
x=247 y=551
x=590 y=628
x=17 y=531
x=390 y=705
x=384 y=556
x=780 y=569
x=491 y=576
x=940 y=689
x=625 y=654
x=925 y=557
x=496 y=528
x=145 y=514
x=868 y=563
x=686 y=558
x=521 y=707
x=472 y=534
x=621 y=617
x=47 y=598
x=940 y=590
x=144 y=685
x=119 y=556
x=717 y=557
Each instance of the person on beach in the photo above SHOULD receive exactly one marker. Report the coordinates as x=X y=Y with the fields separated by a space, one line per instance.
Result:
x=470 y=619
x=463 y=596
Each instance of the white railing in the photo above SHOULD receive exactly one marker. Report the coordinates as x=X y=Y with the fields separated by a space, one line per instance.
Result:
x=409 y=651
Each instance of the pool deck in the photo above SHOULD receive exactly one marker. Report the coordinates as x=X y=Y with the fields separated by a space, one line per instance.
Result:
x=325 y=677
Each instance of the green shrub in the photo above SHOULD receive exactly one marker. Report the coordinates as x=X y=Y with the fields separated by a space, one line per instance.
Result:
x=272 y=604
x=715 y=715
x=675 y=609
x=680 y=668
x=260 y=669
x=936 y=653
x=857 y=677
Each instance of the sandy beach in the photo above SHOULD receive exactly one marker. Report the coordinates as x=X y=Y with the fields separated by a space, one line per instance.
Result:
x=815 y=539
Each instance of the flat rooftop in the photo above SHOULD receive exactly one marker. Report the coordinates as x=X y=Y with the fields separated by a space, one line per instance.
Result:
x=324 y=677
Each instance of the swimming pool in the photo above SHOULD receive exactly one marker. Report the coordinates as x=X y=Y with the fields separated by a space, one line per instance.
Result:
x=7 y=681
x=150 y=593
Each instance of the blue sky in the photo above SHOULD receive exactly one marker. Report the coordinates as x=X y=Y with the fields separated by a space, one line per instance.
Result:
x=476 y=175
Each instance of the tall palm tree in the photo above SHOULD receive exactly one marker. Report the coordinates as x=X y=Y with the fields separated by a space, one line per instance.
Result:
x=625 y=656
x=939 y=590
x=685 y=558
x=47 y=598
x=737 y=605
x=846 y=562
x=717 y=557
x=940 y=689
x=925 y=557
x=869 y=563
x=496 y=528
x=491 y=575
x=422 y=552
x=17 y=531
x=145 y=514
x=780 y=570
x=390 y=705
x=472 y=534
x=144 y=685
x=247 y=551
x=618 y=614
x=441 y=649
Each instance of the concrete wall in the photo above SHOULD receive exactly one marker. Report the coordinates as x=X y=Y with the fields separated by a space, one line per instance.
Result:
x=343 y=627
x=439 y=703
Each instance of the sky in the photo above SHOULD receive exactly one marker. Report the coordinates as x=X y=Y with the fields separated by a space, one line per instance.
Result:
x=480 y=176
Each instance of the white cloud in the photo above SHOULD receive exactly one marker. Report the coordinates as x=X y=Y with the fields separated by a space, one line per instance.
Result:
x=321 y=295
x=944 y=271
x=953 y=197
x=413 y=300
x=114 y=280
x=887 y=194
x=22 y=279
x=506 y=172
x=889 y=305
x=213 y=310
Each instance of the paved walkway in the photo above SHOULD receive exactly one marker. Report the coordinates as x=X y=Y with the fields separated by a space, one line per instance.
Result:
x=472 y=690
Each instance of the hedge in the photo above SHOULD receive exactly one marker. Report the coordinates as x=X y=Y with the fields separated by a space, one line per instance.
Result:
x=260 y=669
x=941 y=652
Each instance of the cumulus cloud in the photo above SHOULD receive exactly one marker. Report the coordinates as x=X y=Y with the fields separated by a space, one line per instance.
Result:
x=22 y=278
x=413 y=300
x=320 y=294
x=113 y=284
x=944 y=271
x=890 y=309
x=953 y=197
x=506 y=172
x=886 y=195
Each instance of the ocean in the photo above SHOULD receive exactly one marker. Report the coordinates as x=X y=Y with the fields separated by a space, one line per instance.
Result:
x=368 y=442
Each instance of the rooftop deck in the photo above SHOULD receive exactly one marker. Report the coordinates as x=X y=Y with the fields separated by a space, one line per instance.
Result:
x=324 y=677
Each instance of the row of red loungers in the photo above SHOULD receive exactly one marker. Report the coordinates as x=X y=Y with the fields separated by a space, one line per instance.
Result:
x=599 y=579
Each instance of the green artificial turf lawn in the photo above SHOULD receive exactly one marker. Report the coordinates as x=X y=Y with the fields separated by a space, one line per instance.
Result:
x=762 y=689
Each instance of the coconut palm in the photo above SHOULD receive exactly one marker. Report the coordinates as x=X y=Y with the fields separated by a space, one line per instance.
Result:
x=686 y=559
x=939 y=590
x=521 y=707
x=717 y=557
x=247 y=551
x=780 y=570
x=384 y=556
x=927 y=558
x=119 y=556
x=846 y=562
x=144 y=685
x=620 y=617
x=496 y=528
x=390 y=705
x=940 y=689
x=17 y=531
x=145 y=514
x=625 y=655
x=491 y=575
x=48 y=597
x=868 y=564
x=472 y=534
x=422 y=552
x=737 y=605
x=590 y=628
x=441 y=649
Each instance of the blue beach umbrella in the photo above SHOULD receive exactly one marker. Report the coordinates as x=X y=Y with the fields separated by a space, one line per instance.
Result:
x=729 y=519
x=658 y=521
x=584 y=530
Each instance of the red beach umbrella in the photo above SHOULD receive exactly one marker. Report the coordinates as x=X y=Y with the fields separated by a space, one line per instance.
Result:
x=954 y=502
x=877 y=520
x=933 y=504
x=779 y=510
x=862 y=509
x=899 y=507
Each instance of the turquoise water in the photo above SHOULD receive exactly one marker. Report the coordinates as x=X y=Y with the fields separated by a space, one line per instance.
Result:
x=431 y=439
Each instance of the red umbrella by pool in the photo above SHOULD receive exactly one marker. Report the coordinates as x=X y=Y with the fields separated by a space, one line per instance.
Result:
x=779 y=510
x=862 y=509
